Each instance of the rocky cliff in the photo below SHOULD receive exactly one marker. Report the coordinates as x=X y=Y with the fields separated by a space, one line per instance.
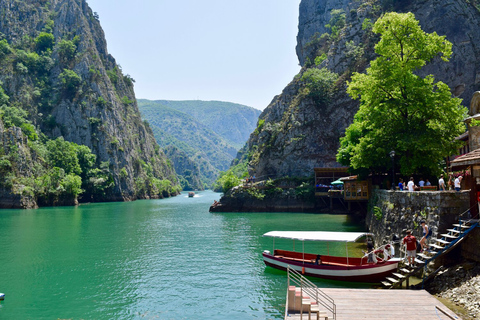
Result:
x=55 y=66
x=300 y=129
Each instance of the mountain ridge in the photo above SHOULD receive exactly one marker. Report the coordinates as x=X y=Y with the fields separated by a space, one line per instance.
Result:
x=188 y=126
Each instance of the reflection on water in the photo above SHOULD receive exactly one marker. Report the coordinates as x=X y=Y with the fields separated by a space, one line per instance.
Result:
x=151 y=259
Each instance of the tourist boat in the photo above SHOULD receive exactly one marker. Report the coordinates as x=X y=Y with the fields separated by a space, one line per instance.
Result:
x=332 y=267
x=2 y=296
x=191 y=194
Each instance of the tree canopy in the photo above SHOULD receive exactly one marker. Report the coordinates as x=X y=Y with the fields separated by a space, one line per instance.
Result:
x=399 y=110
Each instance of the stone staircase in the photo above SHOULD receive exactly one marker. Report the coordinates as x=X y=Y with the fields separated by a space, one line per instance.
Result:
x=437 y=247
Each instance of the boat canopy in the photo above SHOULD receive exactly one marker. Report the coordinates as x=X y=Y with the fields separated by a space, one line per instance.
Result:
x=317 y=235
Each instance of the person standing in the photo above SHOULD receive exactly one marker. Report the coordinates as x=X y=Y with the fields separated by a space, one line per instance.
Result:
x=421 y=183
x=457 y=183
x=411 y=185
x=427 y=183
x=427 y=233
x=411 y=242
x=400 y=184
x=450 y=182
x=441 y=183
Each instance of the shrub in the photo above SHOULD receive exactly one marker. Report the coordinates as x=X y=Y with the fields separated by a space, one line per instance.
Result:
x=67 y=49
x=70 y=80
x=319 y=84
x=44 y=42
x=4 y=48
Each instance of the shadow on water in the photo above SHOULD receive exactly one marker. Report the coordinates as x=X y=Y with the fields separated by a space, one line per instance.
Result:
x=322 y=283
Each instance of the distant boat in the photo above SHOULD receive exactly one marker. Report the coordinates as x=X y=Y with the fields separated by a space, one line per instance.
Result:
x=325 y=266
x=2 y=296
x=191 y=194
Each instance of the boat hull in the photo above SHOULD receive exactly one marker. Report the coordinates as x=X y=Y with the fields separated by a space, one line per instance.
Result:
x=357 y=273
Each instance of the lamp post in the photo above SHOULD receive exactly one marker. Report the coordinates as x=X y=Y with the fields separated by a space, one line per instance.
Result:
x=392 y=155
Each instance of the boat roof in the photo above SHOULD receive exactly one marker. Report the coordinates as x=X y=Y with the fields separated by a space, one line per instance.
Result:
x=317 y=235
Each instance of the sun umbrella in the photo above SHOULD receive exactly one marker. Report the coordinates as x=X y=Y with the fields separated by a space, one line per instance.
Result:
x=336 y=182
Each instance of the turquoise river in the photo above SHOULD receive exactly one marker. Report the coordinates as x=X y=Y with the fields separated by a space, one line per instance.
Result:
x=149 y=259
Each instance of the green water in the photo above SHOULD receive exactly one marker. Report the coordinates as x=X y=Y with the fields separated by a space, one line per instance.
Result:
x=150 y=259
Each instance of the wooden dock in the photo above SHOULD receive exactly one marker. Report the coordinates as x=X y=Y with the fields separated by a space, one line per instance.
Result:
x=353 y=304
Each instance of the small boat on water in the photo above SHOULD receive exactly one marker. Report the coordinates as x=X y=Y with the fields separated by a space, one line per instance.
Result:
x=191 y=194
x=2 y=296
x=346 y=268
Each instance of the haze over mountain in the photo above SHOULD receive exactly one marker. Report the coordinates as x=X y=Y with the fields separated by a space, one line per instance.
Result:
x=209 y=132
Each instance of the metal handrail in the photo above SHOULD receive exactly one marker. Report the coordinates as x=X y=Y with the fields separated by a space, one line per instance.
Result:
x=321 y=298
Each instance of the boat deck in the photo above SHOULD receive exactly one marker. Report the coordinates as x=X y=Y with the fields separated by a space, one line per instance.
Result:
x=353 y=304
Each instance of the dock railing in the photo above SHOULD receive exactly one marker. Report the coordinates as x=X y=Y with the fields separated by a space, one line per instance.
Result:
x=307 y=287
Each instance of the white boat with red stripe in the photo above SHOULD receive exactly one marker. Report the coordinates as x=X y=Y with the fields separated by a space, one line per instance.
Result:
x=353 y=269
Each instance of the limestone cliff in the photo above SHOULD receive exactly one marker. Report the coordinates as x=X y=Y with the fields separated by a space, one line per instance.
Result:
x=297 y=131
x=71 y=87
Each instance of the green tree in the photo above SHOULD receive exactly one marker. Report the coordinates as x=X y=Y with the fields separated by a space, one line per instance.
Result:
x=399 y=110
x=70 y=80
x=228 y=181
x=67 y=49
x=44 y=42
x=319 y=84
x=63 y=154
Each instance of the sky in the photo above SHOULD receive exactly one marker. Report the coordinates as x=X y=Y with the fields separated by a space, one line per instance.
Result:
x=239 y=51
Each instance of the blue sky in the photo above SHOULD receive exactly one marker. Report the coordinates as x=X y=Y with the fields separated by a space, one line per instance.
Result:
x=235 y=51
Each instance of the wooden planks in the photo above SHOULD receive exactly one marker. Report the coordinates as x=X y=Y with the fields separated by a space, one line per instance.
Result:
x=386 y=304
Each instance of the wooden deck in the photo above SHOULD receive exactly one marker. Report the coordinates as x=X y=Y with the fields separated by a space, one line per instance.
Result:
x=353 y=304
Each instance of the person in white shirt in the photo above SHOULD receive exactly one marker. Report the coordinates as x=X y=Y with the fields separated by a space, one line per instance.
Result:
x=441 y=183
x=411 y=185
x=457 y=183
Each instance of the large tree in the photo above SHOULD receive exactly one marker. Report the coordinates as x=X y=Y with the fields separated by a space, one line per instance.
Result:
x=415 y=116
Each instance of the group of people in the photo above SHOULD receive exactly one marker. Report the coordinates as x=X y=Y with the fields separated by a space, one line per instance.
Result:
x=453 y=183
x=411 y=242
x=410 y=186
x=250 y=180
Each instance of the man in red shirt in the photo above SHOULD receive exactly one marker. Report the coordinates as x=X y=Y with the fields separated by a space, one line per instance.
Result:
x=411 y=243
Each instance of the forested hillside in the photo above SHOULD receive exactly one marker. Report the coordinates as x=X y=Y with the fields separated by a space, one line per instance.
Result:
x=69 y=123
x=209 y=132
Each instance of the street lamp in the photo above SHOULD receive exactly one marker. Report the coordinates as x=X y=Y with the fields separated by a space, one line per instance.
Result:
x=392 y=155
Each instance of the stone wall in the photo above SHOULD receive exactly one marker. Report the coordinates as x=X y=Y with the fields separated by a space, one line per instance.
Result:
x=393 y=212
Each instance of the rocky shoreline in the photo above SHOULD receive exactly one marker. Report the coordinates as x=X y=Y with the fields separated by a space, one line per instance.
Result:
x=459 y=284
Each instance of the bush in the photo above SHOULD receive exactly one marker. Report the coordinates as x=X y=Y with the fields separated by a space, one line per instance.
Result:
x=67 y=49
x=319 y=84
x=4 y=48
x=70 y=80
x=44 y=42
x=63 y=154
x=228 y=181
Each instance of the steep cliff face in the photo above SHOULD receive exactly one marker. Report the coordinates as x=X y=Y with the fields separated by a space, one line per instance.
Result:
x=296 y=132
x=188 y=170
x=71 y=87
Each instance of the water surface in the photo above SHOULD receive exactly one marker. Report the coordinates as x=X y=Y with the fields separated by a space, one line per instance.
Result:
x=149 y=259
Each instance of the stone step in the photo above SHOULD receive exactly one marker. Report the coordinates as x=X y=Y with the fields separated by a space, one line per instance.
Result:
x=463 y=226
x=405 y=270
x=454 y=230
x=423 y=256
x=437 y=247
x=442 y=241
x=419 y=261
x=306 y=304
x=392 y=280
x=387 y=284
x=399 y=275
x=449 y=236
